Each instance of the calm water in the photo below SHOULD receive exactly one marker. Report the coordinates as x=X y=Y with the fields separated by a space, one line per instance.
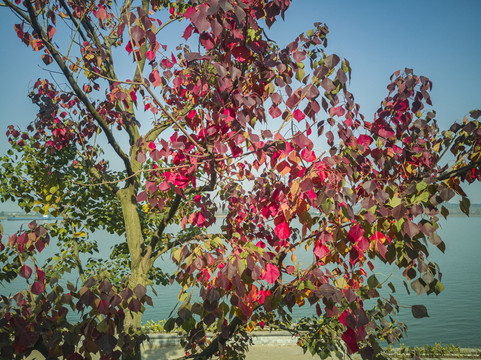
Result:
x=455 y=315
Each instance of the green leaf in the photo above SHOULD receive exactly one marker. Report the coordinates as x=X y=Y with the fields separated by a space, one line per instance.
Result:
x=438 y=288
x=423 y=197
x=372 y=282
x=300 y=74
x=419 y=311
x=391 y=286
x=169 y=325
x=418 y=287
x=395 y=201
x=444 y=212
x=464 y=205
x=421 y=186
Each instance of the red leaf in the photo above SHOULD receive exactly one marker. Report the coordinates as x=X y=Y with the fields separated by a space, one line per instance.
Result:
x=103 y=306
x=411 y=228
x=332 y=312
x=128 y=47
x=271 y=274
x=364 y=140
x=47 y=59
x=167 y=63
x=188 y=32
x=349 y=338
x=282 y=231
x=40 y=274
x=200 y=219
x=50 y=32
x=363 y=244
x=164 y=186
x=241 y=53
x=299 y=115
x=301 y=140
x=25 y=271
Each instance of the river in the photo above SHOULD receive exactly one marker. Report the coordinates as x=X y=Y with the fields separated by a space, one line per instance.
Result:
x=454 y=315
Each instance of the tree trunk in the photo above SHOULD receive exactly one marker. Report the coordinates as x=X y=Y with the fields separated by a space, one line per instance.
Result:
x=138 y=268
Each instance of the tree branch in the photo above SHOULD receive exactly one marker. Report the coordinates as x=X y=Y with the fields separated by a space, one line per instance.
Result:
x=103 y=124
x=18 y=11
x=70 y=15
x=457 y=172
x=160 y=230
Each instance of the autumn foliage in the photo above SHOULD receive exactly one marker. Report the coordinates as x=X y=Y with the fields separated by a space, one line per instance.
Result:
x=227 y=120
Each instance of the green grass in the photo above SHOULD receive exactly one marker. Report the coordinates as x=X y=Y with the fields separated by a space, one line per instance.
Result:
x=437 y=350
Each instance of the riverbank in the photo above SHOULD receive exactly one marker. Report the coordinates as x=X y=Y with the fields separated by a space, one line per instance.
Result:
x=278 y=345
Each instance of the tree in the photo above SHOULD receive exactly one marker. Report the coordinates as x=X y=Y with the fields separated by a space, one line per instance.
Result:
x=230 y=125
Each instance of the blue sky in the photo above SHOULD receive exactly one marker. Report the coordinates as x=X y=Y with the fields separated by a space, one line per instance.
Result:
x=438 y=39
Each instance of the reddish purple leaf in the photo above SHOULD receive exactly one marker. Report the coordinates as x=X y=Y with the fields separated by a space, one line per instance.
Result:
x=37 y=287
x=349 y=338
x=25 y=271
x=135 y=305
x=142 y=196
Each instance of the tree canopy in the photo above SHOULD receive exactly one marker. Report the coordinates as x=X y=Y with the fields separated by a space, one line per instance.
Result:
x=227 y=120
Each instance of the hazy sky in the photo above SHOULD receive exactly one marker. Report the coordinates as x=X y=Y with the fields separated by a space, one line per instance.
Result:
x=438 y=39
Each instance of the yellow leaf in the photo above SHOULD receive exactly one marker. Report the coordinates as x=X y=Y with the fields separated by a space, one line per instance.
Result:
x=340 y=283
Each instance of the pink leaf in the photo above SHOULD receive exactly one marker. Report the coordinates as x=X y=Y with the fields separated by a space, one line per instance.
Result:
x=271 y=274
x=355 y=233
x=200 y=219
x=150 y=55
x=188 y=13
x=382 y=249
x=154 y=78
x=306 y=185
x=282 y=231
x=308 y=155
x=321 y=251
